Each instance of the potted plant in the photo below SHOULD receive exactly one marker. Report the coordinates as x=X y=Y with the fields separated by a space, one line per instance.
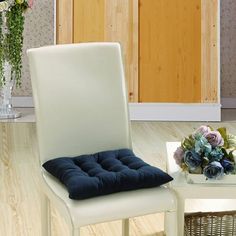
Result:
x=11 y=44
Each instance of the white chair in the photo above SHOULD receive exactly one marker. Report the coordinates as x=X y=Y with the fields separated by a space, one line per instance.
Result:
x=81 y=107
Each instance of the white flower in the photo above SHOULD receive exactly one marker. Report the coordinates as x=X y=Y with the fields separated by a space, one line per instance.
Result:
x=231 y=140
x=4 y=6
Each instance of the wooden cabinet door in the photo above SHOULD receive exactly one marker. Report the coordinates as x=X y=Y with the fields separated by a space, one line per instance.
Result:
x=111 y=21
x=64 y=21
x=170 y=47
x=89 y=21
x=178 y=51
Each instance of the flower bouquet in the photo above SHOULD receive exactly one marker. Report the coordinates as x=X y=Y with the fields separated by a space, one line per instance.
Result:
x=209 y=152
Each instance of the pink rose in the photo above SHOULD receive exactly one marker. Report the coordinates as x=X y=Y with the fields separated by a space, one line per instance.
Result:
x=203 y=129
x=179 y=155
x=30 y=3
x=214 y=138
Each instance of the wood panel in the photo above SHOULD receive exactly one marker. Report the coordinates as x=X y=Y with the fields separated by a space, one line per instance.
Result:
x=210 y=51
x=64 y=21
x=134 y=78
x=112 y=21
x=175 y=65
x=170 y=51
x=121 y=25
x=89 y=16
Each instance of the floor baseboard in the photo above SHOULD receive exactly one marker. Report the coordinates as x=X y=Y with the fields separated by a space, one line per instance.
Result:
x=228 y=102
x=175 y=111
x=158 y=111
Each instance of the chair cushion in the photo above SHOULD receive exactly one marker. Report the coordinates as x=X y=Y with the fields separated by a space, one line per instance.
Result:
x=105 y=172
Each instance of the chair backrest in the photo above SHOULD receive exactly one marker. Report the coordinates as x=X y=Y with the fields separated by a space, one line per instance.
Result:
x=80 y=99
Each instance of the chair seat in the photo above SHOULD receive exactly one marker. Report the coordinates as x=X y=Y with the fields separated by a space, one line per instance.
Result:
x=105 y=172
x=111 y=207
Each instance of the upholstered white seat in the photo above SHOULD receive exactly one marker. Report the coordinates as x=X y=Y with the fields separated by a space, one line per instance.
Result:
x=115 y=206
x=81 y=108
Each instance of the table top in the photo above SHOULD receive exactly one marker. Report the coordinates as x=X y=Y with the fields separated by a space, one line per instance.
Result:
x=199 y=197
x=179 y=176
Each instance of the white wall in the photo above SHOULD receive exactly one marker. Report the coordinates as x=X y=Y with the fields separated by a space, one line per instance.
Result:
x=39 y=31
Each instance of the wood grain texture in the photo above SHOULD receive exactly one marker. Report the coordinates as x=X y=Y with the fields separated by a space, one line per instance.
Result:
x=89 y=18
x=177 y=55
x=103 y=20
x=134 y=49
x=115 y=21
x=210 y=51
x=19 y=178
x=121 y=25
x=64 y=21
x=170 y=51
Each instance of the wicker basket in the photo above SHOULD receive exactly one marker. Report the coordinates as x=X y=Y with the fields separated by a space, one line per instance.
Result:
x=210 y=224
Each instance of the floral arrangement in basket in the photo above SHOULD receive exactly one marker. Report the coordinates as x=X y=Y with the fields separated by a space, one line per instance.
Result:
x=209 y=152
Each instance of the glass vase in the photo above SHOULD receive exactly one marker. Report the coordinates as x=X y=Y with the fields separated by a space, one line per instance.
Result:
x=6 y=109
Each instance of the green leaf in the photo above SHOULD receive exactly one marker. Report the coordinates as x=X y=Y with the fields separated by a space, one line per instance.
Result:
x=211 y=128
x=184 y=167
x=231 y=156
x=223 y=133
x=205 y=161
x=225 y=152
x=188 y=143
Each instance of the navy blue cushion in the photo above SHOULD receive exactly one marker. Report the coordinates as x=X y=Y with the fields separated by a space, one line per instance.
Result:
x=103 y=173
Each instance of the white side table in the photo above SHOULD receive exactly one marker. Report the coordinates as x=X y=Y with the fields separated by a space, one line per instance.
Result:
x=192 y=191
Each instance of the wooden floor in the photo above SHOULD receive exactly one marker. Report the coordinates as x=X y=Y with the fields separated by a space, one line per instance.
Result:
x=19 y=185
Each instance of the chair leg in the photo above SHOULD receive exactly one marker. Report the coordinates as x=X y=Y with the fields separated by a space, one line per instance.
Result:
x=125 y=227
x=45 y=216
x=171 y=223
x=76 y=232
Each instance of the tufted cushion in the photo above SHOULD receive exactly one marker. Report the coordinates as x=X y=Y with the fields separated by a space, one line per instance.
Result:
x=104 y=173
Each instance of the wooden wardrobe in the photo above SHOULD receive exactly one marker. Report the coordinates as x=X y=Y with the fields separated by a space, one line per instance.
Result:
x=170 y=47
